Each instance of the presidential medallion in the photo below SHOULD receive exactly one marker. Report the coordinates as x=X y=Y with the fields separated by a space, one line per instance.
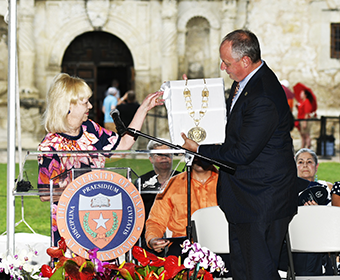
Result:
x=198 y=134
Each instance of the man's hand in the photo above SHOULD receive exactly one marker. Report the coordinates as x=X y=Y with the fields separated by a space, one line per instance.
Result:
x=189 y=144
x=158 y=244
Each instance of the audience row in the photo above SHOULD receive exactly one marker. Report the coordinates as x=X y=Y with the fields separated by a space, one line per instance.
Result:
x=167 y=210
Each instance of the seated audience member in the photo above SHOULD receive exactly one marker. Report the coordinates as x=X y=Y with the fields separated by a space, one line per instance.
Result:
x=152 y=181
x=127 y=107
x=336 y=194
x=307 y=166
x=170 y=207
x=310 y=264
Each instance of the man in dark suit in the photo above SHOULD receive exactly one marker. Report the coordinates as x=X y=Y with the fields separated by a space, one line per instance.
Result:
x=260 y=199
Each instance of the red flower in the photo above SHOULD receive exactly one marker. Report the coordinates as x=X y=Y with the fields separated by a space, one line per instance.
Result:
x=76 y=272
x=172 y=267
x=150 y=276
x=127 y=271
x=72 y=269
x=62 y=244
x=54 y=252
x=46 y=271
x=143 y=256
x=202 y=272
x=57 y=252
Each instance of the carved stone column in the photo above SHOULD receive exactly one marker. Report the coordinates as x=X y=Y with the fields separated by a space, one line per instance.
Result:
x=229 y=15
x=181 y=51
x=169 y=40
x=26 y=50
x=214 y=68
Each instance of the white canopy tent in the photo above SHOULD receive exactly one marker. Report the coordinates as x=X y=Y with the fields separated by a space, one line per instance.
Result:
x=11 y=120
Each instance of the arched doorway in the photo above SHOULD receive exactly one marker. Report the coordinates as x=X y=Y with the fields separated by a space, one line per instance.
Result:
x=98 y=58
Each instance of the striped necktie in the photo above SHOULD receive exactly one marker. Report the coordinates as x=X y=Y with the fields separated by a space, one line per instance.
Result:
x=236 y=90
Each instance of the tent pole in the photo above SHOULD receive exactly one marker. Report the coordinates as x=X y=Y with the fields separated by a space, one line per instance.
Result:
x=11 y=96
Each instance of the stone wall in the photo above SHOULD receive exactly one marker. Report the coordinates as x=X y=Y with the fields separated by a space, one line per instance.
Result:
x=168 y=38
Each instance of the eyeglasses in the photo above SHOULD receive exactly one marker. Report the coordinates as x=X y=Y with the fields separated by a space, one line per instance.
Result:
x=163 y=155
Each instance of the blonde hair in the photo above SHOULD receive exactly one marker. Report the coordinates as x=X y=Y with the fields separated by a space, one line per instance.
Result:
x=64 y=91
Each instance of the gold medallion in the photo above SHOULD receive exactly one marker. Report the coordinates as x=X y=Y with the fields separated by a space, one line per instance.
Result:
x=198 y=134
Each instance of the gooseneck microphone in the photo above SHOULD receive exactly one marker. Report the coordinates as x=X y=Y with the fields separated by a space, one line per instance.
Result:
x=120 y=126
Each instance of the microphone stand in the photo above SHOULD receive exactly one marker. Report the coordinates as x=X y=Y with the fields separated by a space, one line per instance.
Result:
x=226 y=168
x=122 y=130
x=189 y=159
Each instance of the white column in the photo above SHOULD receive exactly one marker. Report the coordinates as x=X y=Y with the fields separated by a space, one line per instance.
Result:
x=169 y=41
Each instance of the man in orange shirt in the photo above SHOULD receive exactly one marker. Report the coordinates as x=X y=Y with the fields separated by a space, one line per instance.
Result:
x=170 y=207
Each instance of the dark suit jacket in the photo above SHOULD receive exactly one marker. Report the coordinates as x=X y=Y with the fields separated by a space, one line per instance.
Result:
x=258 y=142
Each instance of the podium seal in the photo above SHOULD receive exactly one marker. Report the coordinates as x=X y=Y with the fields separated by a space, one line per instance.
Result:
x=100 y=209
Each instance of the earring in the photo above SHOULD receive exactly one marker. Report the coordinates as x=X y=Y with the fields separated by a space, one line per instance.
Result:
x=69 y=111
x=316 y=178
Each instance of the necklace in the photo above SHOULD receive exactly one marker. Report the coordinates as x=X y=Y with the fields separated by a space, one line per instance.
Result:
x=197 y=133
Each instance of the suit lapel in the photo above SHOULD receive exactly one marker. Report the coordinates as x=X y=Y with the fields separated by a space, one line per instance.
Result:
x=247 y=88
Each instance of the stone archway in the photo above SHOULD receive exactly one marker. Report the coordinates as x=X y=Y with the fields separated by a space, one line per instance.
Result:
x=98 y=58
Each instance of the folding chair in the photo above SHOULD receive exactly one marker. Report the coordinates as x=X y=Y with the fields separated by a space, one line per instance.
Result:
x=315 y=229
x=210 y=229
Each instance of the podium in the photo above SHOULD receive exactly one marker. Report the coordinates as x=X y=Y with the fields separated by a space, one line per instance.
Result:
x=117 y=216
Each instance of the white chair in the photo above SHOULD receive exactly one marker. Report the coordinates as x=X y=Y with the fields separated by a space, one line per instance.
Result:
x=211 y=228
x=314 y=229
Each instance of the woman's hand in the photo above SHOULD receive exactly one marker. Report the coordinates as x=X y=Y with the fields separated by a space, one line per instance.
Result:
x=158 y=244
x=312 y=202
x=152 y=100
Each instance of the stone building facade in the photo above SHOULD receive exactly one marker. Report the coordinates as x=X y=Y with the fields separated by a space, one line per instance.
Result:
x=143 y=43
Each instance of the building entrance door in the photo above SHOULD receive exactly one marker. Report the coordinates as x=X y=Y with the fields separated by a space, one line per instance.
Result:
x=99 y=58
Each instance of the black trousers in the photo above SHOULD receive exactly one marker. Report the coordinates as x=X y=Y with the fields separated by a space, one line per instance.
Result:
x=255 y=249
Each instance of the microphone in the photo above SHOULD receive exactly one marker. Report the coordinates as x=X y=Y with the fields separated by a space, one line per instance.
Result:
x=121 y=128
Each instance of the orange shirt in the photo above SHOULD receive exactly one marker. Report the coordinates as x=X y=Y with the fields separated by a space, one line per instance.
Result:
x=170 y=207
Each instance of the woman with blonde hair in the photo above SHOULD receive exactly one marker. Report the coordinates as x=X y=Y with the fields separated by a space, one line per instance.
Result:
x=69 y=129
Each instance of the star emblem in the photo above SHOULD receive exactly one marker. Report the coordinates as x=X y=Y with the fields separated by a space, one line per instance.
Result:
x=101 y=221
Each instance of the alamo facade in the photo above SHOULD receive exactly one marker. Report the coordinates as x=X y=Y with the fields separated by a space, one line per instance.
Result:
x=143 y=43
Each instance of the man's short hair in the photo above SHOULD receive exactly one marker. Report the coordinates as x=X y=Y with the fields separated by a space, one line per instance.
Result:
x=153 y=144
x=244 y=43
x=131 y=96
